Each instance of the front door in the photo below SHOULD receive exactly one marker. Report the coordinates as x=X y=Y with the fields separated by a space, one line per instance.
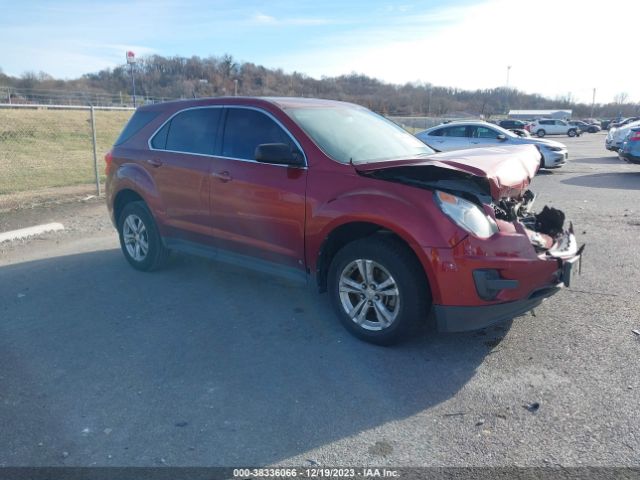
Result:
x=257 y=209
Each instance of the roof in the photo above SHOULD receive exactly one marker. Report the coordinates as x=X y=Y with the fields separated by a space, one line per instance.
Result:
x=539 y=112
x=281 y=102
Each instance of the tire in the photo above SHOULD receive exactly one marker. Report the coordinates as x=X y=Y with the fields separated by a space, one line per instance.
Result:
x=385 y=319
x=541 y=133
x=572 y=133
x=137 y=224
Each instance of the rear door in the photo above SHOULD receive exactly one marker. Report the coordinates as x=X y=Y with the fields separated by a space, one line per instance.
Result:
x=180 y=163
x=454 y=137
x=257 y=209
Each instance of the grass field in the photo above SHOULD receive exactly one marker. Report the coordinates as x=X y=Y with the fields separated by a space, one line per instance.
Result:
x=52 y=148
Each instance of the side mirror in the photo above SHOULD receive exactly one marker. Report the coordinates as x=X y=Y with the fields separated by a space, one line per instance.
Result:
x=502 y=137
x=279 y=153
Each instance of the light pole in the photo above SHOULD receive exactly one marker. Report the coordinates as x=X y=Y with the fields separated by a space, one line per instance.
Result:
x=593 y=102
x=508 y=70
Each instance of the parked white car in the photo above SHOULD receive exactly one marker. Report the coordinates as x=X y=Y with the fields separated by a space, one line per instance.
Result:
x=463 y=135
x=548 y=126
x=616 y=136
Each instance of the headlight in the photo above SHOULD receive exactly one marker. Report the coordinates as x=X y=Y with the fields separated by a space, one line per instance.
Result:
x=553 y=149
x=466 y=215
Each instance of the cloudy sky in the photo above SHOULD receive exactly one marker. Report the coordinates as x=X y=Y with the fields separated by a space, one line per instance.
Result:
x=554 y=47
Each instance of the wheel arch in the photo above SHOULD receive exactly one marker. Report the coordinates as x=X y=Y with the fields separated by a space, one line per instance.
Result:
x=350 y=231
x=124 y=197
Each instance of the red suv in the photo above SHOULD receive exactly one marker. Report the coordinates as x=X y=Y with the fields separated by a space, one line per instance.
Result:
x=332 y=193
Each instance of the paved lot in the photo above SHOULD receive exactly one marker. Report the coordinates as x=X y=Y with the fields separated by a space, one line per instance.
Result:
x=205 y=364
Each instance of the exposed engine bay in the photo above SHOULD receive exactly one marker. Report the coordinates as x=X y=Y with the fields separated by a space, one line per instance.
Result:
x=545 y=229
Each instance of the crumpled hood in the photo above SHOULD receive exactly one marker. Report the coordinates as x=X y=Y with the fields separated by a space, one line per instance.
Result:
x=508 y=170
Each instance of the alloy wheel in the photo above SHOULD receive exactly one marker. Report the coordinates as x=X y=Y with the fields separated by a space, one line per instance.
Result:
x=136 y=238
x=369 y=294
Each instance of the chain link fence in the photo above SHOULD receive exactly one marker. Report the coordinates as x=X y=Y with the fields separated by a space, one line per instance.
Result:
x=47 y=147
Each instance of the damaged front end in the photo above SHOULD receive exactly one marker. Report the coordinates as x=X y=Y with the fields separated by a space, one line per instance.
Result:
x=496 y=272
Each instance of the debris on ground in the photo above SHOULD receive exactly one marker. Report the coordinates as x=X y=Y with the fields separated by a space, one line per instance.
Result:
x=532 y=407
x=480 y=422
x=637 y=332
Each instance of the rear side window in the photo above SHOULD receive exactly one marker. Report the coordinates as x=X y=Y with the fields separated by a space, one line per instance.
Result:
x=191 y=131
x=437 y=133
x=460 y=131
x=246 y=129
x=140 y=119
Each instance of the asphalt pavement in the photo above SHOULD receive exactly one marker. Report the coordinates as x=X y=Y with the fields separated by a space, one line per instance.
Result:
x=204 y=364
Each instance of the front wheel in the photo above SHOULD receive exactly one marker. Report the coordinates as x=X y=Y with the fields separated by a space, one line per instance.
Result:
x=378 y=289
x=572 y=133
x=541 y=133
x=139 y=238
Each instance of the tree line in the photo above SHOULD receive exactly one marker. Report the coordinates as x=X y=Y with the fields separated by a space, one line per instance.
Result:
x=161 y=77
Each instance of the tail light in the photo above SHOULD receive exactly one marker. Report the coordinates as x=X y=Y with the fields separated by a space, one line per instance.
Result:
x=635 y=136
x=108 y=160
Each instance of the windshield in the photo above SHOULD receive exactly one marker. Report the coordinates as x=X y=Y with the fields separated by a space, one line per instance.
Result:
x=351 y=134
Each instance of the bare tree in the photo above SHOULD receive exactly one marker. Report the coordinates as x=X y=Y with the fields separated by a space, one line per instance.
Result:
x=621 y=98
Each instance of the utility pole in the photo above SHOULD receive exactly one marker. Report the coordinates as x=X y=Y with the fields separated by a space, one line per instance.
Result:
x=235 y=87
x=593 y=102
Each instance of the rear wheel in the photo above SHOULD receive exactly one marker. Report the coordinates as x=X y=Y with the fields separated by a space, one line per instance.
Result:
x=572 y=133
x=541 y=133
x=139 y=238
x=378 y=289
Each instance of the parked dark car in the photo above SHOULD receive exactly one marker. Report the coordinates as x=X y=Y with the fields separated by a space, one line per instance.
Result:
x=585 y=127
x=331 y=193
x=512 y=124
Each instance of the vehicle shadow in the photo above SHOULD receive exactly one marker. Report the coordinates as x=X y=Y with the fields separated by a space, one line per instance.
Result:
x=618 y=180
x=198 y=364
x=599 y=161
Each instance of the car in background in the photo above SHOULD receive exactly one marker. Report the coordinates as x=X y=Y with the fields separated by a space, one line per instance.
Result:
x=616 y=136
x=624 y=121
x=630 y=149
x=550 y=126
x=333 y=194
x=521 y=132
x=605 y=124
x=463 y=135
x=512 y=124
x=584 y=126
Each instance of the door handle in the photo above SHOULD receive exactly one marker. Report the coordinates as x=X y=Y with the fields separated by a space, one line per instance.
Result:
x=222 y=176
x=154 y=162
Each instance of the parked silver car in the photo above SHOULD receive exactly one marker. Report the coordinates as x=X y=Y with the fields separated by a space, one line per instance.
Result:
x=460 y=135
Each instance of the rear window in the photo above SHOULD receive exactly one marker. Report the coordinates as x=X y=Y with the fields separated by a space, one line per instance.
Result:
x=191 y=131
x=136 y=123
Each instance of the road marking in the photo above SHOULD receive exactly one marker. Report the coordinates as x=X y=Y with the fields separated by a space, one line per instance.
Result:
x=30 y=232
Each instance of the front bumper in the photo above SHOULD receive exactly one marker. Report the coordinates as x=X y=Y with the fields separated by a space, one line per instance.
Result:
x=464 y=319
x=554 y=159
x=482 y=282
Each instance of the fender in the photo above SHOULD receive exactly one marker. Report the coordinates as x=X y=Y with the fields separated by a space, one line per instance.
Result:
x=395 y=213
